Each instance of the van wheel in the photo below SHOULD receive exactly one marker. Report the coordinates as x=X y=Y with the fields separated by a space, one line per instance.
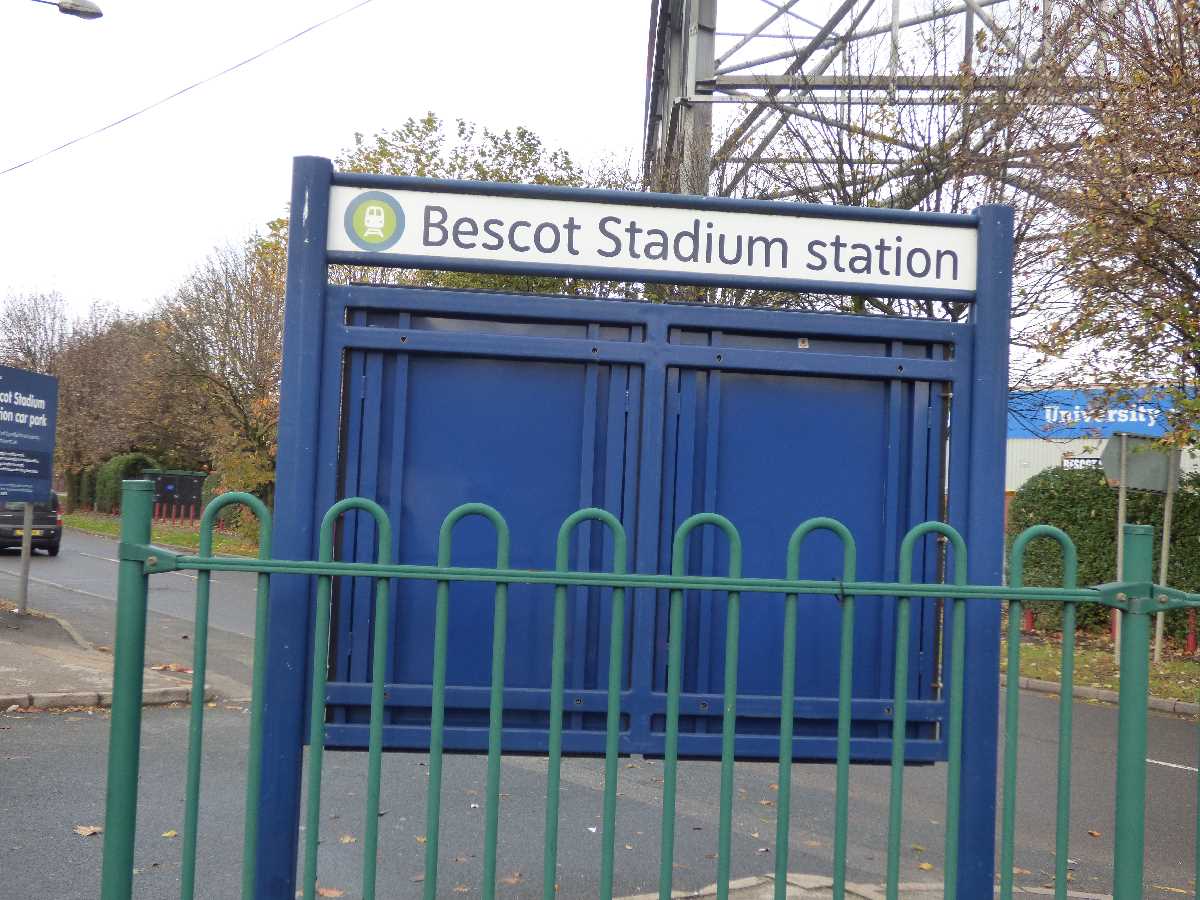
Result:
x=52 y=549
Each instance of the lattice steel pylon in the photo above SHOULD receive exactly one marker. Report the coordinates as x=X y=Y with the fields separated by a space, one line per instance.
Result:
x=863 y=102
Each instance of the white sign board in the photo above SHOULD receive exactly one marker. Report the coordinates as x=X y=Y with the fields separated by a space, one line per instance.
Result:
x=425 y=227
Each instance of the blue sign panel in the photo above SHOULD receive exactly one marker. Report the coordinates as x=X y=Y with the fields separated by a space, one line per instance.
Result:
x=422 y=399
x=1091 y=413
x=28 y=413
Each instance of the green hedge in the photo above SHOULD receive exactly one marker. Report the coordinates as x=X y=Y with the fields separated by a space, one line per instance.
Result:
x=72 y=479
x=87 y=489
x=112 y=473
x=1082 y=504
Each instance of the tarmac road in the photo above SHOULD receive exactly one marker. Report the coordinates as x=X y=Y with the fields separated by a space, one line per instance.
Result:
x=51 y=777
x=80 y=585
x=51 y=780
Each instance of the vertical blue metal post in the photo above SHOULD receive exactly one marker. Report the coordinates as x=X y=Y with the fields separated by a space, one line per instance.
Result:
x=985 y=545
x=289 y=616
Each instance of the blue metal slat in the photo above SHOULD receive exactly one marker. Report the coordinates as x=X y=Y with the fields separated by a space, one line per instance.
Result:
x=577 y=624
x=712 y=643
x=392 y=488
x=649 y=517
x=362 y=599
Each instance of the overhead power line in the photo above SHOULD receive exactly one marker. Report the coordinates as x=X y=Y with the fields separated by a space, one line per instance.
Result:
x=182 y=91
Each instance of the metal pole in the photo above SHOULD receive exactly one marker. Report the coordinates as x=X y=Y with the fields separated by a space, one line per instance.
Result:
x=1173 y=460
x=129 y=656
x=1129 y=834
x=1121 y=495
x=26 y=553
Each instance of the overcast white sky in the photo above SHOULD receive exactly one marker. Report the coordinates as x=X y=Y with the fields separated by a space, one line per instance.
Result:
x=123 y=216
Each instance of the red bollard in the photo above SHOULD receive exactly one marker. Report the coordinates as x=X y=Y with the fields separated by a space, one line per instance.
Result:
x=1191 y=634
x=1027 y=621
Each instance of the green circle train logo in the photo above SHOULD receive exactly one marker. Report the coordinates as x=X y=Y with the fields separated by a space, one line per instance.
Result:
x=374 y=221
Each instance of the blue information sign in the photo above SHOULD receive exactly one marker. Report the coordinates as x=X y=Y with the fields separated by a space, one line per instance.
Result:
x=28 y=413
x=1088 y=413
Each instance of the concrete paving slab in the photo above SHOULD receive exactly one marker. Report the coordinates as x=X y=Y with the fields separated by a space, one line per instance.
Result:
x=43 y=665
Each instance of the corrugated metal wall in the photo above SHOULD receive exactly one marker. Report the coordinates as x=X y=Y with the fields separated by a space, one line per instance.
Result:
x=1028 y=456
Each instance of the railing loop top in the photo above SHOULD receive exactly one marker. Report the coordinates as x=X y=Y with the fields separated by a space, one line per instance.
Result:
x=690 y=524
x=218 y=503
x=1016 y=571
x=594 y=514
x=383 y=547
x=916 y=533
x=446 y=535
x=822 y=523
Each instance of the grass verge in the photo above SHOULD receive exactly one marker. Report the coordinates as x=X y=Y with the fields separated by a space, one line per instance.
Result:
x=179 y=537
x=1177 y=677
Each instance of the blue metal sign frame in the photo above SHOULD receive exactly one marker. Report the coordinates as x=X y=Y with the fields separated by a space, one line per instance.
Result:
x=317 y=331
x=28 y=418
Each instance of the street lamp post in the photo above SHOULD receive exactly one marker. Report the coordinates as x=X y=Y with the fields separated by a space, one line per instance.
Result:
x=82 y=9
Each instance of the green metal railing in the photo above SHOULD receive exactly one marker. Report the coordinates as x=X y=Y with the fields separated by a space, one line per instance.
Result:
x=1136 y=599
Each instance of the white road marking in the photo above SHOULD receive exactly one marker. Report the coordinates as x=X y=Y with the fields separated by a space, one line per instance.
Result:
x=94 y=556
x=1170 y=765
x=56 y=585
x=111 y=560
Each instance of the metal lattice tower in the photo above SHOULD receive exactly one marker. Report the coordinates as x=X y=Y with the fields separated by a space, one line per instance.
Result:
x=849 y=101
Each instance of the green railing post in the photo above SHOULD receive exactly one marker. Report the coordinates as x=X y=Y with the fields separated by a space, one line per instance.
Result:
x=129 y=657
x=1129 y=834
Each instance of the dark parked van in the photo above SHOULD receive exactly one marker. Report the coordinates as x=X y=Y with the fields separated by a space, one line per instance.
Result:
x=47 y=524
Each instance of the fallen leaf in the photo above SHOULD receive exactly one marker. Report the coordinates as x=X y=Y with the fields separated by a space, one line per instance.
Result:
x=514 y=878
x=773 y=786
x=87 y=830
x=710 y=856
x=766 y=802
x=330 y=892
x=172 y=667
x=170 y=833
x=1094 y=833
x=418 y=878
x=814 y=843
x=461 y=889
x=1169 y=890
x=629 y=846
x=925 y=867
x=347 y=839
x=1017 y=870
x=917 y=848
x=421 y=839
x=754 y=834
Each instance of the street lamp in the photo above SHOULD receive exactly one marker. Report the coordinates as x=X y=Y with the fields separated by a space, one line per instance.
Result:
x=83 y=9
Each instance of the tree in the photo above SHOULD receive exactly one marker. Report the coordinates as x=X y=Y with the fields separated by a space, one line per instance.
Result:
x=33 y=328
x=1128 y=179
x=430 y=148
x=116 y=395
x=221 y=333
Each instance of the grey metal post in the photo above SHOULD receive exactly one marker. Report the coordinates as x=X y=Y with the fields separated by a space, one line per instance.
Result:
x=26 y=552
x=1173 y=463
x=696 y=122
x=1121 y=494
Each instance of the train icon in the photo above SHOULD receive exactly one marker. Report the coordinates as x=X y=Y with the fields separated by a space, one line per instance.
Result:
x=373 y=221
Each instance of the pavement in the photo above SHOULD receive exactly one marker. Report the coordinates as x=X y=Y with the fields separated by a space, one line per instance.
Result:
x=45 y=664
x=78 y=590
x=51 y=781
